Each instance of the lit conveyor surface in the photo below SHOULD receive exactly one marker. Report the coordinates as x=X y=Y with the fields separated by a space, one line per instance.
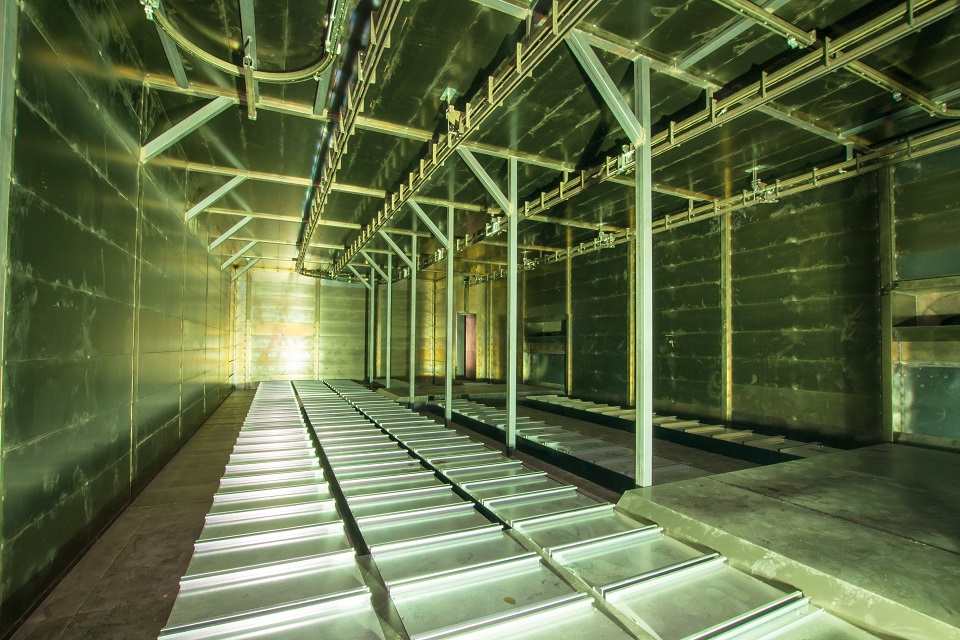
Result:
x=463 y=542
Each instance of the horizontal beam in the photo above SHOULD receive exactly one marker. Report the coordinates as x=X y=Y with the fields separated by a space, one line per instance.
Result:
x=900 y=115
x=263 y=176
x=291 y=243
x=198 y=208
x=726 y=36
x=280 y=218
x=794 y=35
x=229 y=261
x=383 y=127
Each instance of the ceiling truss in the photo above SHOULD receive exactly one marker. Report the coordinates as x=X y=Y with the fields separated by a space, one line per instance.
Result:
x=822 y=58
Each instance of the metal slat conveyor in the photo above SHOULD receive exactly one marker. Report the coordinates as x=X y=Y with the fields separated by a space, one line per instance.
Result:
x=463 y=542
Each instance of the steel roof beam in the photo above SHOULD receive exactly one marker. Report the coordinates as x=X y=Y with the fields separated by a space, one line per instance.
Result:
x=182 y=129
x=228 y=233
x=173 y=57
x=726 y=36
x=607 y=42
x=933 y=107
x=390 y=129
x=858 y=68
x=277 y=178
x=439 y=235
x=900 y=115
x=393 y=245
x=606 y=87
x=485 y=179
x=362 y=280
x=376 y=267
x=248 y=32
x=533 y=49
x=793 y=34
x=245 y=268
x=238 y=254
x=281 y=218
x=198 y=208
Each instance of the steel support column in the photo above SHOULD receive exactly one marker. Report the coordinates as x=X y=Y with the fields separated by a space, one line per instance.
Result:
x=389 y=328
x=371 y=341
x=512 y=308
x=412 y=375
x=451 y=292
x=643 y=281
x=889 y=411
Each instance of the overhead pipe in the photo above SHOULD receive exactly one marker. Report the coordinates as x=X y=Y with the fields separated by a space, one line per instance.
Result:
x=311 y=71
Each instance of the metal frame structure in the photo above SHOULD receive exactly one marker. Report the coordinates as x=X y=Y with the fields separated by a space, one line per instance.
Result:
x=816 y=57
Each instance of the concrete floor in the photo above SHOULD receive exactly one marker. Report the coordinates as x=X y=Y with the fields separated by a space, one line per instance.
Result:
x=872 y=535
x=125 y=585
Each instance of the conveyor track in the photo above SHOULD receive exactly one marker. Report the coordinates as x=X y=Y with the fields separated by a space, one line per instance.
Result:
x=466 y=542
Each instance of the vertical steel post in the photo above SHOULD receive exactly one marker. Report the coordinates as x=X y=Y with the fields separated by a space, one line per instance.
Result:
x=512 y=309
x=371 y=338
x=389 y=328
x=412 y=375
x=726 y=301
x=568 y=295
x=890 y=409
x=643 y=281
x=451 y=292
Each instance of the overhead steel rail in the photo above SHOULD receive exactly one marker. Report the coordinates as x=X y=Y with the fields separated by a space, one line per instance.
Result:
x=896 y=23
x=553 y=563
x=912 y=148
x=381 y=24
x=531 y=51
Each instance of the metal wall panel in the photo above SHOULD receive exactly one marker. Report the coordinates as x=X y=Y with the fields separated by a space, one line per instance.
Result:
x=926 y=292
x=601 y=290
x=439 y=350
x=401 y=337
x=544 y=358
x=687 y=320
x=426 y=329
x=341 y=330
x=101 y=289
x=283 y=310
x=927 y=217
x=806 y=313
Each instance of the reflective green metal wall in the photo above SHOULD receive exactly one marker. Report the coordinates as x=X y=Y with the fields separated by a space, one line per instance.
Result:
x=806 y=313
x=925 y=292
x=688 y=324
x=115 y=320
